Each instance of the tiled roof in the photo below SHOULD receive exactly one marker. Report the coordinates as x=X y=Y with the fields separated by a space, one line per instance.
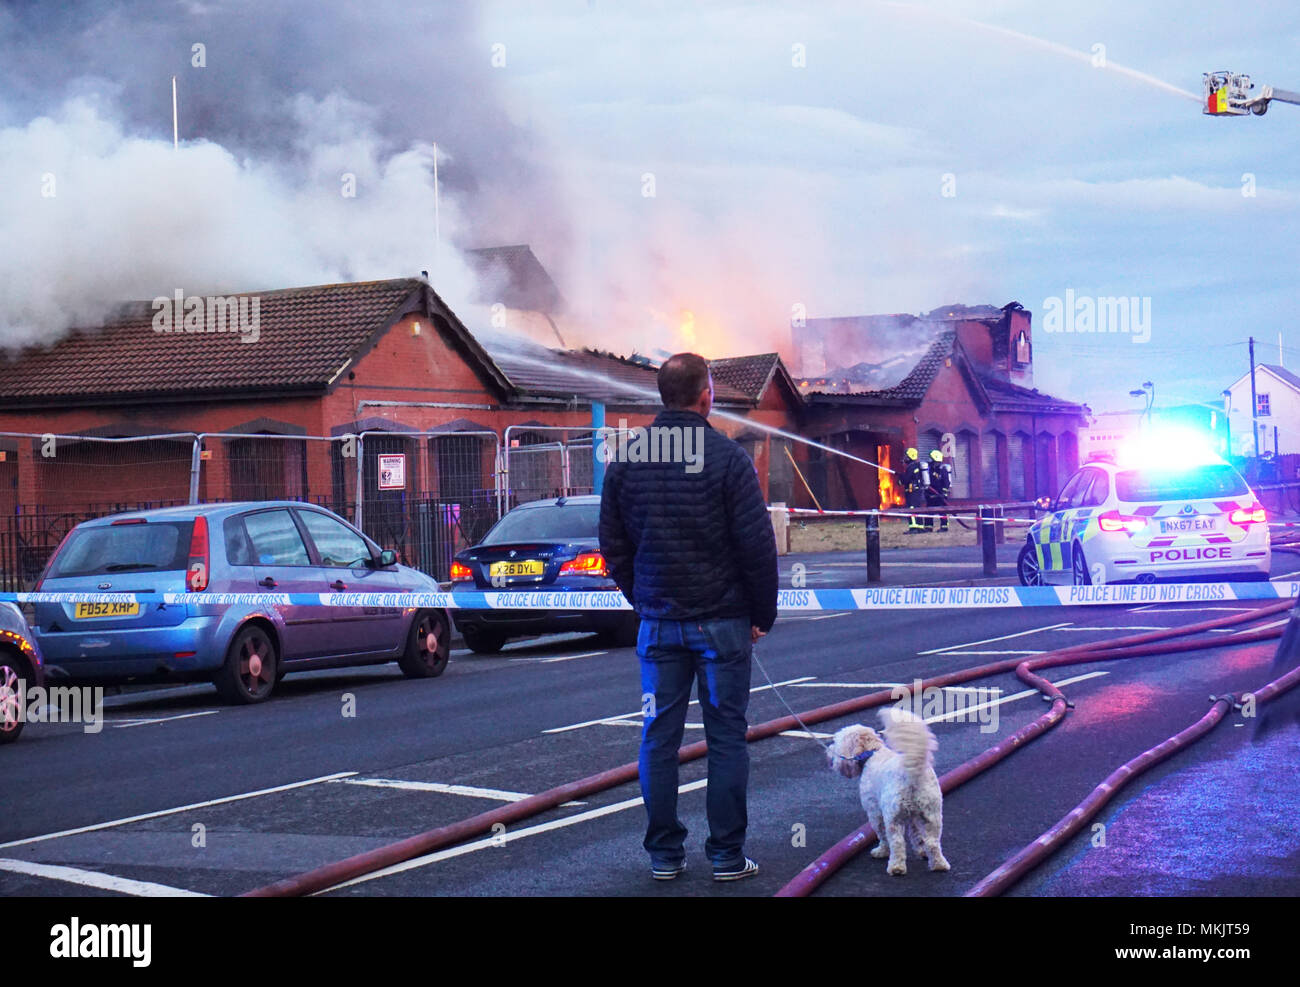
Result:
x=1004 y=394
x=957 y=312
x=306 y=337
x=589 y=375
x=747 y=374
x=911 y=389
x=514 y=277
x=914 y=386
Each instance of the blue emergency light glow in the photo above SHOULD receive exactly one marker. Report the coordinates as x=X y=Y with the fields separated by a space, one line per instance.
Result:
x=1168 y=448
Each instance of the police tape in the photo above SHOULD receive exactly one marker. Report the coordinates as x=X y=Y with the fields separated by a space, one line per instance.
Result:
x=857 y=598
x=909 y=514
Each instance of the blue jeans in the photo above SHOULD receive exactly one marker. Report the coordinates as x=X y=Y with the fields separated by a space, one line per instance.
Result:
x=674 y=654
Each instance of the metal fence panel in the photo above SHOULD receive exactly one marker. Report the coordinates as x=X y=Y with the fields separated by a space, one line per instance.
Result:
x=545 y=461
x=441 y=496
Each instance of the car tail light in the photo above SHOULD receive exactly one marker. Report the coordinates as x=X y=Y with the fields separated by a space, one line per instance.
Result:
x=1254 y=514
x=196 y=570
x=586 y=564
x=460 y=572
x=1115 y=521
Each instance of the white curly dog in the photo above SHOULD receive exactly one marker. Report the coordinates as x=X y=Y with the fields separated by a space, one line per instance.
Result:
x=899 y=788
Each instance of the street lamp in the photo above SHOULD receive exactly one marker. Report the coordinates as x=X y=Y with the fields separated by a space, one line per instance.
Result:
x=1227 y=424
x=1147 y=391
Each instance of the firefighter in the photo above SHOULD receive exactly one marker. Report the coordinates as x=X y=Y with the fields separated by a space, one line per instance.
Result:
x=936 y=493
x=915 y=480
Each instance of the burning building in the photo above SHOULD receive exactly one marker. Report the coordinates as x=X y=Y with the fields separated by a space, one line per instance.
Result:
x=958 y=379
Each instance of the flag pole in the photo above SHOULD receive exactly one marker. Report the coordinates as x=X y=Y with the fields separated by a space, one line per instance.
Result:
x=437 y=231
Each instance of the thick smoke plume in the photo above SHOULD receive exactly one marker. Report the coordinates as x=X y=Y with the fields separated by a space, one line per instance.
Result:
x=291 y=99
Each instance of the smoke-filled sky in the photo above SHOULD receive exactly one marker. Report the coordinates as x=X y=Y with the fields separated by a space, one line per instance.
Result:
x=742 y=162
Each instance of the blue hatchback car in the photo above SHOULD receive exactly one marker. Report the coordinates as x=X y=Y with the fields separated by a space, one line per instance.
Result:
x=544 y=545
x=21 y=669
x=197 y=550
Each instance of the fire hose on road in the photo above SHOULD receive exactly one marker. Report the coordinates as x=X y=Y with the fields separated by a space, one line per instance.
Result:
x=333 y=874
x=1018 y=866
x=1154 y=643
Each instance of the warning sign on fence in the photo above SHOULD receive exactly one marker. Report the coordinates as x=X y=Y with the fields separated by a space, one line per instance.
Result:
x=392 y=472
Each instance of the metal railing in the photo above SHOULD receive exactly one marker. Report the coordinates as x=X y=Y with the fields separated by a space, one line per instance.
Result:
x=425 y=494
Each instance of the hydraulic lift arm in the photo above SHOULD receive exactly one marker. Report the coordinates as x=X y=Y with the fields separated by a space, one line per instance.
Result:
x=1228 y=94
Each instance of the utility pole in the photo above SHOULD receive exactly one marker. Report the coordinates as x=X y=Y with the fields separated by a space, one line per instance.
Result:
x=1254 y=401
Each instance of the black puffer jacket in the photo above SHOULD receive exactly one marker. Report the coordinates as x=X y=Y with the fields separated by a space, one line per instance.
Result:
x=691 y=545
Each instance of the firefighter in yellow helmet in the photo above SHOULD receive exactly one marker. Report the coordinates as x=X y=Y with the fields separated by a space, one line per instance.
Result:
x=936 y=492
x=915 y=479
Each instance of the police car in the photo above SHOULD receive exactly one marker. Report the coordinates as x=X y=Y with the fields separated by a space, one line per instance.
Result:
x=1168 y=518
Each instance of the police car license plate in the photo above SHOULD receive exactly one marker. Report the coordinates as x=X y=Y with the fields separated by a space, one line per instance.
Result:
x=528 y=567
x=1188 y=525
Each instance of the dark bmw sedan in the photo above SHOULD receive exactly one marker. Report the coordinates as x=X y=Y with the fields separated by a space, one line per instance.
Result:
x=544 y=545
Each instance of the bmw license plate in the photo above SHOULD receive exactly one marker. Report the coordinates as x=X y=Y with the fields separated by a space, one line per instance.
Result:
x=1187 y=525
x=528 y=567
x=87 y=611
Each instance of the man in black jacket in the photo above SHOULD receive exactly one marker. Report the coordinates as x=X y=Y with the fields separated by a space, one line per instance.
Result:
x=688 y=540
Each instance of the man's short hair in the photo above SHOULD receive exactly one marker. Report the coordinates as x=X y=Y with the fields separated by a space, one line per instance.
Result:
x=682 y=379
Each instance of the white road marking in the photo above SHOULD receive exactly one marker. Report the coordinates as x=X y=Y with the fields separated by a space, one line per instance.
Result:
x=1160 y=608
x=807 y=734
x=505 y=837
x=607 y=720
x=182 y=808
x=585 y=654
x=991 y=640
x=592 y=723
x=994 y=652
x=884 y=685
x=124 y=723
x=435 y=786
x=588 y=654
x=1011 y=698
x=1285 y=575
x=1139 y=627
x=93 y=879
x=828 y=616
x=1262 y=627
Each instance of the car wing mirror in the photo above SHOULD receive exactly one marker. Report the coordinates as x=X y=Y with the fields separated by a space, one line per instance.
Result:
x=386 y=558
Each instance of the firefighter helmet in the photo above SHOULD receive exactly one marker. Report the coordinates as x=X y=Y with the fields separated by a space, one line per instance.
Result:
x=936 y=455
x=911 y=453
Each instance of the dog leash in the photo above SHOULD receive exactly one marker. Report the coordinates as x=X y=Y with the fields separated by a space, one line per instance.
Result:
x=826 y=748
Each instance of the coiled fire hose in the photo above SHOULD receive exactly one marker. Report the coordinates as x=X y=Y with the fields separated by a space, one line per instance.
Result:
x=330 y=875
x=1158 y=642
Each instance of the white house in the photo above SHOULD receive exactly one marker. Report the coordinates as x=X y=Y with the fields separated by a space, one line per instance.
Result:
x=1277 y=413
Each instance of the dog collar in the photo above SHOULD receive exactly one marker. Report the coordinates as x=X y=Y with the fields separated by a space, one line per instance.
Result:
x=856 y=758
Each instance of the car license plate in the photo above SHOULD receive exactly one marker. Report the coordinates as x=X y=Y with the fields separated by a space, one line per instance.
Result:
x=1187 y=525
x=528 y=567
x=91 y=610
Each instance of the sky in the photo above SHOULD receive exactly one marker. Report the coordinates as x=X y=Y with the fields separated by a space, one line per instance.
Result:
x=693 y=174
